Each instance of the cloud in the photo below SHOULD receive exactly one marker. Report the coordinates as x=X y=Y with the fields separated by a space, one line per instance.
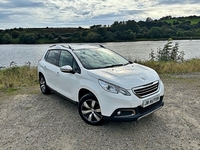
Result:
x=67 y=13
x=17 y=13
x=9 y=4
x=181 y=2
x=171 y=2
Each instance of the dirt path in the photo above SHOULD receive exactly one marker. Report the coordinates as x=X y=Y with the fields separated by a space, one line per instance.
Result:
x=32 y=121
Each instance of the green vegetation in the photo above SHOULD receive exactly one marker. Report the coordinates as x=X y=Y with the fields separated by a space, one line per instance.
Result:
x=164 y=28
x=170 y=60
x=171 y=67
x=168 y=53
x=15 y=77
x=192 y=20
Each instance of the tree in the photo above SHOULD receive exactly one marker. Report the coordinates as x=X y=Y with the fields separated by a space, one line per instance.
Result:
x=29 y=38
x=180 y=33
x=166 y=32
x=102 y=31
x=109 y=37
x=93 y=37
x=197 y=32
x=185 y=26
x=95 y=26
x=130 y=35
x=149 y=19
x=50 y=36
x=60 y=39
x=118 y=35
x=15 y=33
x=155 y=32
x=131 y=24
x=6 y=39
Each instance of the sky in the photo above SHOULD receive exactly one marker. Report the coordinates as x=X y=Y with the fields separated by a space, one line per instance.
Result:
x=85 y=13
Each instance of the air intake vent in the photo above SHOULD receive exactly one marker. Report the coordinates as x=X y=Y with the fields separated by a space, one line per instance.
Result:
x=146 y=90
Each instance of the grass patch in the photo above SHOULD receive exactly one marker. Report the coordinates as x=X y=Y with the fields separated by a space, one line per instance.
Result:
x=10 y=90
x=14 y=77
x=171 y=67
x=193 y=21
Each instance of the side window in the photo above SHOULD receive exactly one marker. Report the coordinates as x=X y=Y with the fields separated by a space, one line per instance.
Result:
x=76 y=67
x=52 y=56
x=67 y=59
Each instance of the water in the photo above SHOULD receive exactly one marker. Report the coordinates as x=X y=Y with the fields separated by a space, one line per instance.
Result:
x=134 y=50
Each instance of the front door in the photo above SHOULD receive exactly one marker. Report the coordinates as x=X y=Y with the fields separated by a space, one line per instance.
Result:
x=68 y=83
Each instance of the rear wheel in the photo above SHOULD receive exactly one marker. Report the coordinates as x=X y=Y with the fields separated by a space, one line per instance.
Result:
x=43 y=86
x=89 y=110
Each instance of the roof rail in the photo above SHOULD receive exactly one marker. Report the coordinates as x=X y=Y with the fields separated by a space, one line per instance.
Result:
x=68 y=46
x=52 y=45
x=64 y=46
x=102 y=46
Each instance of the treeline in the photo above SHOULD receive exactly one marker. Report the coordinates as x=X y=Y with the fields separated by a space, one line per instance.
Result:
x=164 y=28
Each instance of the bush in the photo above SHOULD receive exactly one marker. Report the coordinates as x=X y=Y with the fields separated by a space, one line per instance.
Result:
x=17 y=76
x=168 y=53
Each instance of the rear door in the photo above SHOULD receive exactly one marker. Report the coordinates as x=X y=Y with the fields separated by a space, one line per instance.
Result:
x=51 y=68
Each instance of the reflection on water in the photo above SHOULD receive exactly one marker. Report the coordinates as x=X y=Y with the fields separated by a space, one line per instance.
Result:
x=134 y=50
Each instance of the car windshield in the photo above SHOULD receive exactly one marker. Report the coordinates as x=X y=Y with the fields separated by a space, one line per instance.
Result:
x=97 y=58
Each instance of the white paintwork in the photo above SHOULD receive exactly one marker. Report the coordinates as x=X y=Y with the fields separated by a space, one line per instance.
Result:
x=127 y=77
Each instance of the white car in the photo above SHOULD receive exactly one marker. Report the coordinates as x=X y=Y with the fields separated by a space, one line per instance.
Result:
x=105 y=85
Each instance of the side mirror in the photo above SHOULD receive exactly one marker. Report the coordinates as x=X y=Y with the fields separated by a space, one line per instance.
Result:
x=67 y=69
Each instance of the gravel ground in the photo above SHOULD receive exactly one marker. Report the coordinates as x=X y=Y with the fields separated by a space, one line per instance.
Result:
x=31 y=120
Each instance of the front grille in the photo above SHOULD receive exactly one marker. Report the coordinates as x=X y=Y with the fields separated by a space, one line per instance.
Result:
x=146 y=90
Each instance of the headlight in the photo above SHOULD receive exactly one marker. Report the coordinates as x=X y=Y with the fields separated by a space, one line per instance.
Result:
x=113 y=88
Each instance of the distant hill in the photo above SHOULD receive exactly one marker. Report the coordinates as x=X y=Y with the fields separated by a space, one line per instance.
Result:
x=162 y=29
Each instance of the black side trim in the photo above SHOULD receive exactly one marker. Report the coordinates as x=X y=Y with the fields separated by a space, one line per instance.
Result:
x=72 y=101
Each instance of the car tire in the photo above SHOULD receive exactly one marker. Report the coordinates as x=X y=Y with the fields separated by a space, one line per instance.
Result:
x=89 y=110
x=43 y=86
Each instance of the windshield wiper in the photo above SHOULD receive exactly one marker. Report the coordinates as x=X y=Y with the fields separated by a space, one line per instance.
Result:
x=127 y=63
x=117 y=65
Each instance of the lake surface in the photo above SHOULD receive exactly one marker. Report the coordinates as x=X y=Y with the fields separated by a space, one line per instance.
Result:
x=21 y=53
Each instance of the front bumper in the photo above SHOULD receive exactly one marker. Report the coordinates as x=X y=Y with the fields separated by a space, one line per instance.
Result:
x=134 y=114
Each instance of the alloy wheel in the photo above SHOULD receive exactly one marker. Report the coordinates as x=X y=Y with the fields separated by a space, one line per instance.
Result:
x=90 y=110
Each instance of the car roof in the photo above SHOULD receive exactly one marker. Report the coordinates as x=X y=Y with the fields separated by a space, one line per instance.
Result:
x=75 y=46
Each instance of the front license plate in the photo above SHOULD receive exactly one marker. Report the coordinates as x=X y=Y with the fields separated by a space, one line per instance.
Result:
x=150 y=101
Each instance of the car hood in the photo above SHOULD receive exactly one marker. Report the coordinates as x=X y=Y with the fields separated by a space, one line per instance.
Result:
x=128 y=76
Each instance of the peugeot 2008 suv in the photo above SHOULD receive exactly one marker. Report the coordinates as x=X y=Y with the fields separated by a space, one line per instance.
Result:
x=105 y=85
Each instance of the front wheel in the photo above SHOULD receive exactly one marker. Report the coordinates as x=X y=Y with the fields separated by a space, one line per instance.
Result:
x=89 y=110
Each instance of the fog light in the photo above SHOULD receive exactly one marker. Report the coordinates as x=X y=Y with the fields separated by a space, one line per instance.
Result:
x=119 y=113
x=134 y=113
